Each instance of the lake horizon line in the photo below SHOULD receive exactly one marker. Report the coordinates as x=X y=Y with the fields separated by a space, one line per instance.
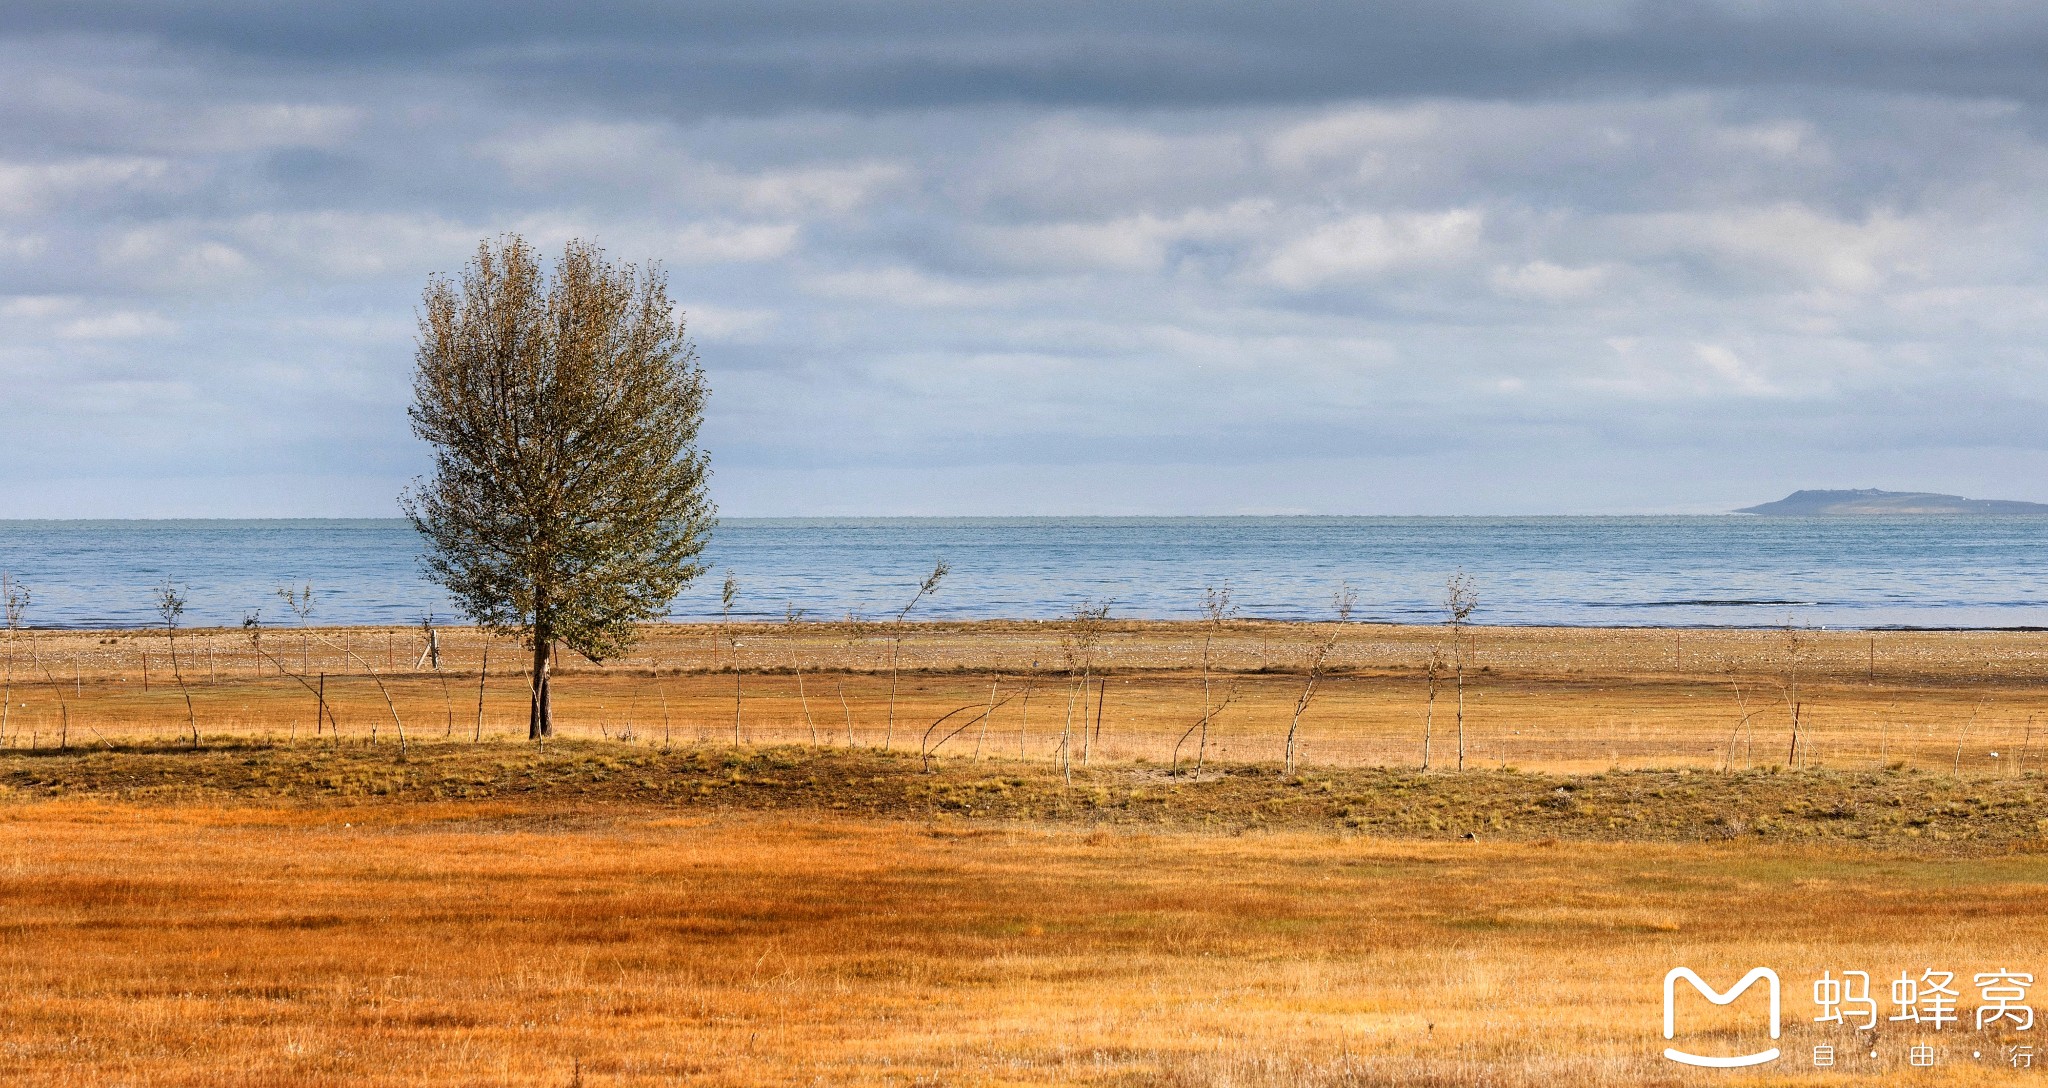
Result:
x=996 y=519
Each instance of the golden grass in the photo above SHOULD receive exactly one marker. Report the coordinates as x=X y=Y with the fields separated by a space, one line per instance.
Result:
x=1573 y=700
x=624 y=907
x=474 y=943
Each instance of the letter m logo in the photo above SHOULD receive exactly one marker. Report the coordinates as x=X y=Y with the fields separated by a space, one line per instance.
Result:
x=1718 y=998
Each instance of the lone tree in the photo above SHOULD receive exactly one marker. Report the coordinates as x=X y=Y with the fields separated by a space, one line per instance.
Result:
x=567 y=503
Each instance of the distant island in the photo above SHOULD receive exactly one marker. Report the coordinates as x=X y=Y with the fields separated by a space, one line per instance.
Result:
x=1869 y=501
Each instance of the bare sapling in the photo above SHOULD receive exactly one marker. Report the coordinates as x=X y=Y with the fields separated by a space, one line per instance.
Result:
x=1217 y=610
x=1741 y=726
x=1024 y=712
x=1101 y=697
x=14 y=601
x=299 y=602
x=252 y=626
x=1461 y=599
x=1433 y=668
x=791 y=617
x=925 y=589
x=727 y=594
x=926 y=748
x=994 y=682
x=1788 y=687
x=1884 y=736
x=448 y=703
x=170 y=605
x=348 y=654
x=1209 y=712
x=1078 y=640
x=1964 y=731
x=1792 y=708
x=845 y=710
x=63 y=705
x=1066 y=752
x=857 y=629
x=1315 y=663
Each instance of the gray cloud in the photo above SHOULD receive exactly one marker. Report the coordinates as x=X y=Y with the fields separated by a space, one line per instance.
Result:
x=768 y=55
x=1030 y=257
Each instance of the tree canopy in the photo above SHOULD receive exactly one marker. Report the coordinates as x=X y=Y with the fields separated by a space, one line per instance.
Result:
x=568 y=497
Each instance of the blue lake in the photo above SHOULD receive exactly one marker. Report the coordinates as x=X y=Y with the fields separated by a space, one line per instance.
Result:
x=1662 y=571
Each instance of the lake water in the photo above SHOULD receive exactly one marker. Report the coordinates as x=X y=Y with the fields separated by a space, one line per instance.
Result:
x=1660 y=571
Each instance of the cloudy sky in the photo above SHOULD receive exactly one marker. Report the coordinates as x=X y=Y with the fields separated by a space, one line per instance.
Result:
x=1419 y=256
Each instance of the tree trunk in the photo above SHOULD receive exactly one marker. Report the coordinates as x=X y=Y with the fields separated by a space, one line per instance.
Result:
x=1087 y=738
x=1429 y=714
x=483 y=674
x=1461 y=714
x=541 y=723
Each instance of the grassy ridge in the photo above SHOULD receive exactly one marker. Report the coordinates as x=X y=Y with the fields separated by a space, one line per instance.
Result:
x=1898 y=808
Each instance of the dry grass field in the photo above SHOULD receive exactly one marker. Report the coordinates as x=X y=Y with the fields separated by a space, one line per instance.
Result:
x=641 y=902
x=1557 y=699
x=388 y=942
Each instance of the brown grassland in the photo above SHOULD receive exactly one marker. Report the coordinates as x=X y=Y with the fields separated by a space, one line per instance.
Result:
x=642 y=901
x=1553 y=699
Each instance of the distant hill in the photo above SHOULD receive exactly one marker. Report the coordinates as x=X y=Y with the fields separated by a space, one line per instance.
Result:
x=1869 y=501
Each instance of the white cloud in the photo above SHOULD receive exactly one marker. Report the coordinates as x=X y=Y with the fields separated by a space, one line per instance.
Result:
x=1352 y=135
x=191 y=255
x=1731 y=370
x=1364 y=246
x=31 y=187
x=252 y=126
x=727 y=324
x=576 y=150
x=653 y=161
x=1669 y=370
x=1549 y=282
x=37 y=306
x=354 y=245
x=903 y=286
x=1790 y=243
x=119 y=325
x=1135 y=243
x=1782 y=139
x=374 y=331
x=1087 y=167
x=837 y=189
x=710 y=243
x=171 y=257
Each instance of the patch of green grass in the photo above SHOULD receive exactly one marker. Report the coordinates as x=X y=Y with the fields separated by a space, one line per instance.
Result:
x=1906 y=809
